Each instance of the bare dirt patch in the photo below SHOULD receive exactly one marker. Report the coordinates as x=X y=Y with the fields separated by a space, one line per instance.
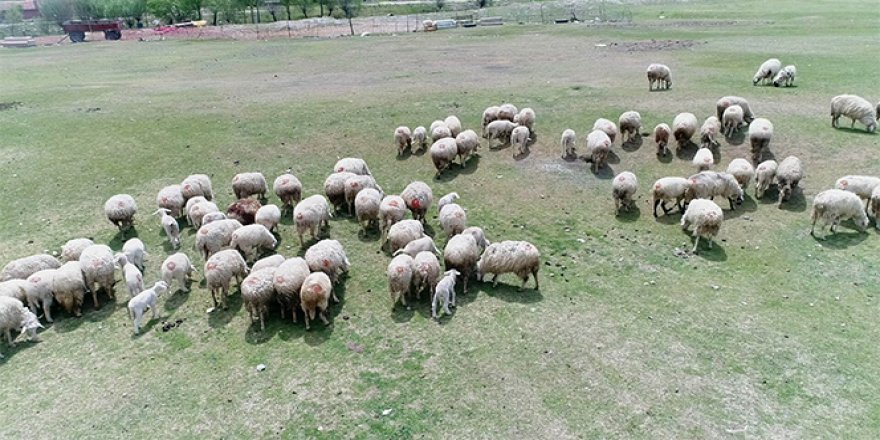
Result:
x=9 y=105
x=654 y=45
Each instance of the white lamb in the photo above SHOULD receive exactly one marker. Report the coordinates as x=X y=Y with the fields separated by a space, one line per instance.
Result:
x=447 y=199
x=836 y=205
x=623 y=188
x=169 y=224
x=136 y=252
x=178 y=267
x=705 y=217
x=130 y=274
x=147 y=299
x=765 y=174
x=569 y=143
x=855 y=108
x=444 y=293
x=703 y=160
x=767 y=71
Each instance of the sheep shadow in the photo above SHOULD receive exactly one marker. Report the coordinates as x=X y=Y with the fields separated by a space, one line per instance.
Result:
x=687 y=151
x=12 y=351
x=715 y=253
x=420 y=151
x=176 y=299
x=665 y=158
x=511 y=293
x=401 y=314
x=524 y=155
x=254 y=336
x=407 y=153
x=369 y=235
x=571 y=158
x=120 y=238
x=796 y=202
x=454 y=169
x=219 y=317
x=604 y=173
x=674 y=217
x=632 y=144
x=630 y=215
x=841 y=240
x=286 y=217
x=147 y=324
x=738 y=137
x=748 y=205
x=854 y=130
x=613 y=158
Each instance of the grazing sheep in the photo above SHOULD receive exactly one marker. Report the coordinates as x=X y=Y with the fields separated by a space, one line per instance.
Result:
x=499 y=130
x=661 y=137
x=244 y=210
x=726 y=101
x=15 y=289
x=402 y=233
x=310 y=214
x=519 y=137
x=257 y=292
x=39 y=292
x=178 y=268
x=71 y=250
x=424 y=244
x=479 y=236
x=703 y=160
x=526 y=118
x=788 y=176
x=289 y=278
x=400 y=275
x=705 y=217
x=288 y=188
x=447 y=199
x=148 y=298
x=268 y=216
x=874 y=206
x=507 y=112
x=418 y=197
x=765 y=174
x=862 y=186
x=197 y=185
x=767 y=71
x=630 y=123
x=352 y=165
x=69 y=287
x=245 y=185
x=742 y=171
x=402 y=139
x=623 y=188
x=135 y=251
x=668 y=189
x=683 y=128
x=607 y=126
x=354 y=185
x=732 y=119
x=453 y=219
x=443 y=152
x=453 y=124
x=314 y=296
x=836 y=205
x=328 y=256
x=420 y=137
x=435 y=124
x=467 y=142
x=212 y=217
x=197 y=212
x=660 y=74
x=250 y=239
x=519 y=257
x=120 y=210
x=440 y=132
x=392 y=209
x=22 y=268
x=710 y=129
x=130 y=274
x=190 y=202
x=785 y=76
x=569 y=143
x=98 y=268
x=215 y=235
x=444 y=293
x=14 y=316
x=169 y=224
x=855 y=108
x=598 y=148
x=219 y=271
x=709 y=184
x=270 y=261
x=366 y=207
x=171 y=198
x=760 y=132
x=426 y=272
x=461 y=253
x=489 y=115
x=334 y=188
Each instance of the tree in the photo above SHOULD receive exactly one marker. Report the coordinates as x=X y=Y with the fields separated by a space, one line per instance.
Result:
x=350 y=8
x=13 y=17
x=57 y=11
x=439 y=4
x=483 y=3
x=302 y=5
x=217 y=7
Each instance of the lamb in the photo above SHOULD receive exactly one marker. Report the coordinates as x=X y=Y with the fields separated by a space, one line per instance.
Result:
x=520 y=138
x=767 y=71
x=402 y=233
x=310 y=214
x=400 y=276
x=661 y=137
x=171 y=198
x=507 y=112
x=703 y=160
x=289 y=278
x=453 y=219
x=288 y=188
x=270 y=261
x=499 y=130
x=120 y=210
x=711 y=127
x=257 y=292
x=683 y=128
x=215 y=235
x=15 y=289
x=212 y=217
x=22 y=268
x=169 y=224
x=489 y=115
x=742 y=171
x=402 y=139
x=765 y=174
x=148 y=298
x=443 y=152
x=98 y=268
x=453 y=124
x=526 y=118
x=607 y=126
x=461 y=253
x=219 y=271
x=392 y=209
x=760 y=132
x=709 y=184
x=875 y=206
x=197 y=212
x=420 y=137
x=569 y=143
x=352 y=165
x=726 y=101
x=424 y=244
x=245 y=185
x=447 y=199
x=785 y=76
x=862 y=186
x=445 y=291
x=479 y=236
x=668 y=189
x=705 y=217
x=69 y=287
x=467 y=143
x=788 y=176
x=418 y=197
x=244 y=210
x=130 y=274
x=328 y=256
x=519 y=257
x=630 y=123
x=366 y=207
x=623 y=188
x=441 y=132
x=39 y=292
x=178 y=268
x=135 y=252
x=732 y=119
x=426 y=272
x=13 y=316
x=598 y=148
x=268 y=216
x=660 y=74
x=334 y=188
x=71 y=250
x=836 y=205
x=250 y=239
x=855 y=108
x=197 y=185
x=315 y=297
x=354 y=185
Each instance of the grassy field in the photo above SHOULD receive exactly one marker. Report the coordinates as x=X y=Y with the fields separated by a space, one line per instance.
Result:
x=770 y=334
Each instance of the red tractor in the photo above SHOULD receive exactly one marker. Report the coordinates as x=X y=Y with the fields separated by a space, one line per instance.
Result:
x=77 y=29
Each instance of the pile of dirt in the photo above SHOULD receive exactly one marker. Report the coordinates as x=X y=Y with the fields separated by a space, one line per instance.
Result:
x=654 y=45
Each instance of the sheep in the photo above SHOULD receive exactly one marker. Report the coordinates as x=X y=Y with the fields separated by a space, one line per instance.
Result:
x=660 y=74
x=445 y=291
x=257 y=292
x=215 y=235
x=742 y=171
x=598 y=148
x=443 y=152
x=354 y=185
x=437 y=123
x=440 y=132
x=661 y=138
x=270 y=261
x=608 y=127
x=392 y=209
x=507 y=112
x=708 y=184
x=568 y=143
x=310 y=214
x=169 y=224
x=289 y=278
x=855 y=108
x=400 y=276
x=197 y=185
x=785 y=76
x=190 y=202
x=352 y=165
x=424 y=244
x=196 y=213
x=705 y=217
x=130 y=274
x=402 y=139
x=629 y=123
x=328 y=256
x=39 y=292
x=479 y=236
x=489 y=115
x=453 y=124
x=250 y=239
x=14 y=316
x=683 y=128
x=247 y=184
x=22 y=268
x=15 y=289
x=520 y=138
x=148 y=298
x=767 y=71
x=71 y=250
x=788 y=176
x=467 y=143
x=526 y=118
x=710 y=128
x=499 y=130
x=732 y=119
x=765 y=174
x=836 y=205
x=726 y=101
x=420 y=137
x=314 y=297
x=461 y=253
x=178 y=267
x=668 y=189
x=875 y=206
x=171 y=198
x=212 y=217
x=426 y=272
x=98 y=268
x=288 y=188
x=135 y=251
x=623 y=188
x=366 y=206
x=69 y=287
x=120 y=210
x=703 y=159
x=334 y=188
x=760 y=132
x=418 y=197
x=219 y=271
x=453 y=219
x=447 y=199
x=519 y=257
x=268 y=216
x=244 y=210
x=402 y=233
x=862 y=186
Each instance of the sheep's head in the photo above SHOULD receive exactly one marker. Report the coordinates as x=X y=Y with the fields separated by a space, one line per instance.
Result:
x=861 y=222
x=162 y=212
x=160 y=287
x=30 y=324
x=121 y=259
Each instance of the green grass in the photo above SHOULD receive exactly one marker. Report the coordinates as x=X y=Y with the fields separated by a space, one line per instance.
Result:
x=770 y=334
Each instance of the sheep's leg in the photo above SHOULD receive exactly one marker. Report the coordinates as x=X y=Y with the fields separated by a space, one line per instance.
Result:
x=153 y=309
x=47 y=304
x=95 y=298
x=434 y=305
x=657 y=202
x=9 y=338
x=293 y=312
x=452 y=295
x=732 y=207
x=696 y=243
x=323 y=316
x=262 y=322
x=535 y=274
x=495 y=280
x=307 y=319
x=333 y=295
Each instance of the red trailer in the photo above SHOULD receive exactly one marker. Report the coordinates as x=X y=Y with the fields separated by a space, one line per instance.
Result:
x=77 y=29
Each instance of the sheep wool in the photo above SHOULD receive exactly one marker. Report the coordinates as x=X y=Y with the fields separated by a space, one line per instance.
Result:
x=392 y=209
x=400 y=276
x=352 y=165
x=39 y=292
x=328 y=256
x=709 y=131
x=250 y=239
x=171 y=198
x=489 y=115
x=607 y=126
x=526 y=118
x=765 y=174
x=669 y=189
x=785 y=76
x=726 y=101
x=440 y=132
x=289 y=278
x=661 y=138
x=402 y=139
x=874 y=205
x=98 y=268
x=268 y=216
x=705 y=217
x=334 y=188
x=73 y=248
x=836 y=205
x=178 y=267
x=69 y=287
x=660 y=75
x=453 y=219
x=288 y=188
x=623 y=188
x=366 y=207
x=257 y=292
x=244 y=210
x=443 y=152
x=14 y=316
x=499 y=130
x=703 y=160
x=22 y=268
x=247 y=184
x=444 y=293
x=467 y=143
x=598 y=148
x=519 y=137
x=453 y=124
x=507 y=112
x=767 y=71
x=354 y=185
x=629 y=123
x=403 y=232
x=310 y=214
x=149 y=298
x=15 y=289
x=788 y=176
x=120 y=210
x=479 y=236
x=742 y=171
x=732 y=119
x=270 y=261
x=519 y=257
x=212 y=237
x=568 y=143
x=136 y=252
x=683 y=128
x=197 y=185
x=197 y=212
x=418 y=197
x=420 y=137
x=426 y=272
x=856 y=108
x=760 y=132
x=315 y=297
x=220 y=269
x=461 y=253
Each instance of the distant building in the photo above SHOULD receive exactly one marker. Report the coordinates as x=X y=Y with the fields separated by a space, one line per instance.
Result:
x=29 y=8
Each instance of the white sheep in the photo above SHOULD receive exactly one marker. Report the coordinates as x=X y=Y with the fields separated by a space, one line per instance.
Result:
x=669 y=189
x=190 y=202
x=402 y=139
x=705 y=217
x=519 y=257
x=467 y=143
x=709 y=184
x=661 y=138
x=289 y=278
x=623 y=188
x=461 y=253
x=418 y=197
x=288 y=188
x=836 y=205
x=214 y=236
x=257 y=292
x=453 y=219
x=352 y=165
x=136 y=252
x=169 y=224
x=197 y=185
x=310 y=214
x=479 y=236
x=732 y=119
x=760 y=133
x=788 y=176
x=443 y=152
x=568 y=143
x=402 y=233
x=148 y=298
x=785 y=76
x=392 y=209
x=874 y=206
x=726 y=101
x=862 y=186
x=683 y=128
x=39 y=292
x=178 y=267
x=212 y=217
x=247 y=184
x=426 y=272
x=171 y=198
x=220 y=269
x=767 y=71
x=354 y=185
x=366 y=207
x=22 y=268
x=708 y=132
x=855 y=108
x=270 y=261
x=314 y=297
x=519 y=138
x=444 y=293
x=98 y=268
x=250 y=239
x=629 y=123
x=334 y=188
x=447 y=199
x=71 y=250
x=14 y=316
x=134 y=281
x=196 y=213
x=268 y=216
x=400 y=276
x=765 y=174
x=598 y=148
x=608 y=127
x=440 y=132
x=69 y=287
x=703 y=159
x=15 y=289
x=328 y=256
x=420 y=137
x=499 y=130
x=526 y=118
x=424 y=244
x=742 y=171
x=507 y=112
x=120 y=210
x=660 y=74
x=437 y=123
x=453 y=124
x=489 y=115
